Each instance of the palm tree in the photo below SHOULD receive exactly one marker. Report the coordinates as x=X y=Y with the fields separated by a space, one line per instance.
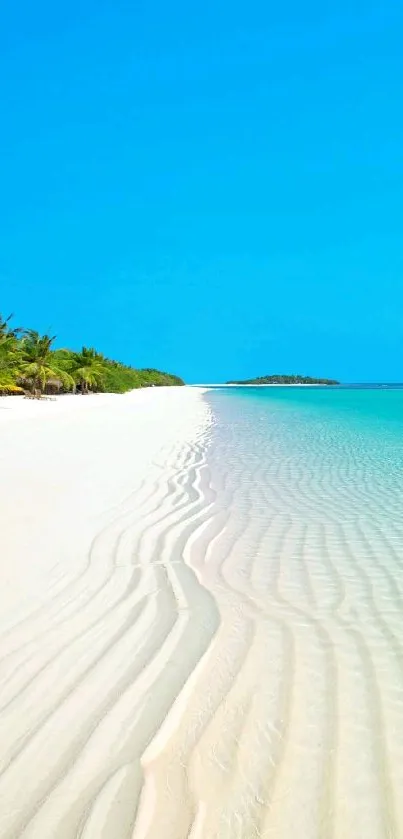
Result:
x=7 y=336
x=86 y=367
x=39 y=362
x=9 y=352
x=6 y=330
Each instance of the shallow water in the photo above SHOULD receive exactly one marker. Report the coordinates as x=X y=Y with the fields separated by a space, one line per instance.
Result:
x=292 y=723
x=308 y=572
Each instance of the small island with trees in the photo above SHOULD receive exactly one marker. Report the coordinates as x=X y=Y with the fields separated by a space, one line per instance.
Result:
x=30 y=365
x=285 y=380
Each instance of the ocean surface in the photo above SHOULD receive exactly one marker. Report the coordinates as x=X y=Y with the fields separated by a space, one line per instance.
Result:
x=305 y=560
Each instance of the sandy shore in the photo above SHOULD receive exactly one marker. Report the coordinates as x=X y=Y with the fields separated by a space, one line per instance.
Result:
x=198 y=647
x=101 y=498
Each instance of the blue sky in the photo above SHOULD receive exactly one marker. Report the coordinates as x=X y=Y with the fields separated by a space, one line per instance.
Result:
x=215 y=189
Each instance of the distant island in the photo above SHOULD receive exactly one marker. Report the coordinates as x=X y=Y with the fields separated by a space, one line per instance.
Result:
x=285 y=380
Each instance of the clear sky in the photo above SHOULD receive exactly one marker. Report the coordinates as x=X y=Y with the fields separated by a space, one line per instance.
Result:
x=212 y=188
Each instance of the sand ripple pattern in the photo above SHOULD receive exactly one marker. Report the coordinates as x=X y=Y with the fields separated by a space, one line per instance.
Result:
x=292 y=725
x=228 y=663
x=89 y=675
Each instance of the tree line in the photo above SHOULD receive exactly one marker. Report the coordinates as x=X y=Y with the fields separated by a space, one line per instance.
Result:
x=30 y=364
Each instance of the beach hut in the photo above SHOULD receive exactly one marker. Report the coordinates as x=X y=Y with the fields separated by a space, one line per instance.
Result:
x=53 y=387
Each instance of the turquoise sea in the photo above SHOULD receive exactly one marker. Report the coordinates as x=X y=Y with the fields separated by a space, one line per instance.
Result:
x=306 y=564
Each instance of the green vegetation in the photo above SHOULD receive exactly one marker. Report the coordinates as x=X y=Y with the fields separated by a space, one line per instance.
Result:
x=30 y=364
x=285 y=380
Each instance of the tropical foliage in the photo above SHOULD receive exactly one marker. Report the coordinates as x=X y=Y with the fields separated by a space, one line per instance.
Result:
x=9 y=354
x=30 y=363
x=38 y=363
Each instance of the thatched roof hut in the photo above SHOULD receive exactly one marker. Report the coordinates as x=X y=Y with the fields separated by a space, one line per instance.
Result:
x=53 y=386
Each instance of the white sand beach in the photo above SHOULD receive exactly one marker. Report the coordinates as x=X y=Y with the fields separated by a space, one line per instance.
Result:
x=100 y=499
